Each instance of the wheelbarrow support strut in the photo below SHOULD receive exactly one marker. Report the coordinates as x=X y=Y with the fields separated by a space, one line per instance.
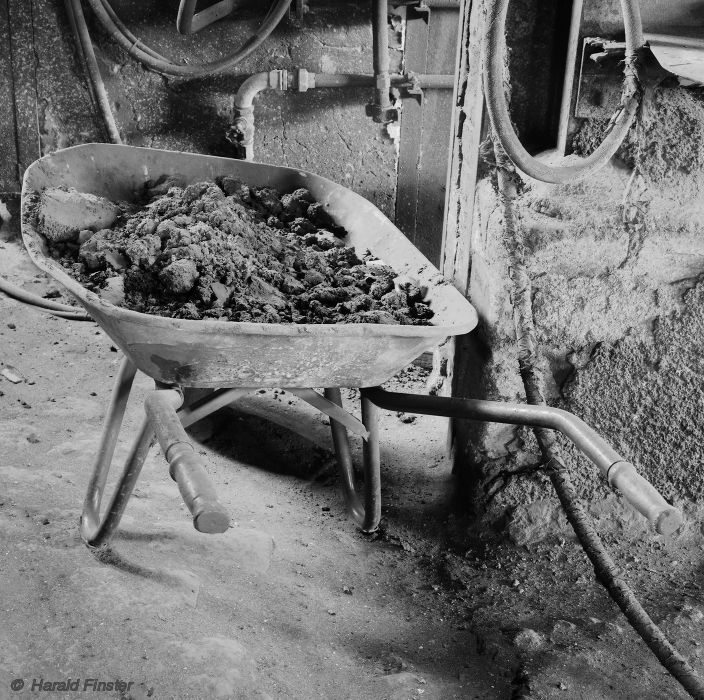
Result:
x=619 y=473
x=185 y=465
x=166 y=419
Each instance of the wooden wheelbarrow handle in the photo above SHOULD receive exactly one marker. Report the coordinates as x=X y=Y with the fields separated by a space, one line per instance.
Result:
x=185 y=466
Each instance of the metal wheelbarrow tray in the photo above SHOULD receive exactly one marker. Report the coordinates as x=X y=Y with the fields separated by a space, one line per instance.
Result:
x=226 y=353
x=234 y=358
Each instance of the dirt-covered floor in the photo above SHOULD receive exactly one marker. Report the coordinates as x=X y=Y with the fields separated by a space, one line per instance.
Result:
x=291 y=602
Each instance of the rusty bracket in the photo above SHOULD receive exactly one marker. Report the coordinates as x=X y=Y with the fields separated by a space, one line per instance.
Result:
x=425 y=6
x=600 y=78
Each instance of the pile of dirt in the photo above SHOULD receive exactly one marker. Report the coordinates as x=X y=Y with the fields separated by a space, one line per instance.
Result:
x=223 y=250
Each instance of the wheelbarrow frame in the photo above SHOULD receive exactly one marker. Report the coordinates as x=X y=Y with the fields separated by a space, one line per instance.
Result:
x=236 y=357
x=363 y=503
x=166 y=418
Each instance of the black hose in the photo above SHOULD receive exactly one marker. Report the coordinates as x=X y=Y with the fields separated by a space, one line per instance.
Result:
x=150 y=59
x=52 y=307
x=126 y=31
x=607 y=573
x=77 y=19
x=494 y=88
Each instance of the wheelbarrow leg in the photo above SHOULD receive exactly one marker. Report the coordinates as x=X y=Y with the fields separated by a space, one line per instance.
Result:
x=94 y=531
x=366 y=509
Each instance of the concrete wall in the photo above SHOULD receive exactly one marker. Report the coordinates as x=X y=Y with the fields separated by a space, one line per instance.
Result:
x=617 y=264
x=323 y=131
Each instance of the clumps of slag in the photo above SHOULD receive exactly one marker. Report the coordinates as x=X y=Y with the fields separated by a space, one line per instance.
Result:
x=223 y=250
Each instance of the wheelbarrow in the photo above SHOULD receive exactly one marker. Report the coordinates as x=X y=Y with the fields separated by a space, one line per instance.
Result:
x=232 y=358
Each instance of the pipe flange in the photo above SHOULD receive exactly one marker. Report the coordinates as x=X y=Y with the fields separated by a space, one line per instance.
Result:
x=278 y=79
x=304 y=80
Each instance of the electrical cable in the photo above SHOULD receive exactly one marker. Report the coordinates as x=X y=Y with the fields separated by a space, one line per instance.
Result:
x=63 y=310
x=149 y=58
x=126 y=31
x=77 y=20
x=494 y=56
x=607 y=573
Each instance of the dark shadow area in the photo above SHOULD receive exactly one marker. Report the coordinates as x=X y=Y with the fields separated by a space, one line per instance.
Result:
x=9 y=228
x=537 y=36
x=264 y=444
x=111 y=557
x=130 y=536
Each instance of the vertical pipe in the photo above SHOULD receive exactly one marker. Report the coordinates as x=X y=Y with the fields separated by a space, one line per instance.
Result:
x=573 y=59
x=372 y=464
x=344 y=461
x=380 y=18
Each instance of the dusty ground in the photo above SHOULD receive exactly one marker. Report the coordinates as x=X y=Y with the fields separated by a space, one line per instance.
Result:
x=292 y=602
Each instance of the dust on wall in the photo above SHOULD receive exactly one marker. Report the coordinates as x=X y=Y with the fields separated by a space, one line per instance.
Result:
x=325 y=131
x=617 y=264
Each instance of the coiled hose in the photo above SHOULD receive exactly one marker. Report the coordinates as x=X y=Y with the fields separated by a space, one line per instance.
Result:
x=154 y=61
x=494 y=59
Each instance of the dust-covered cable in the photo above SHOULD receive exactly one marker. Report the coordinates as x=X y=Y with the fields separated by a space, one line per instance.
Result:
x=72 y=313
x=77 y=19
x=150 y=59
x=606 y=571
x=84 y=44
x=494 y=62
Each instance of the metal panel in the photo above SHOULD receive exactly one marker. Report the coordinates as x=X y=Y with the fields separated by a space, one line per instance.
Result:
x=431 y=42
x=682 y=17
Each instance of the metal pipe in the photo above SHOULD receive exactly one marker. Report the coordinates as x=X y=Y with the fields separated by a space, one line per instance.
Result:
x=241 y=133
x=381 y=110
x=372 y=466
x=619 y=473
x=584 y=437
x=96 y=532
x=188 y=415
x=340 y=439
x=429 y=4
x=673 y=40
x=331 y=409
